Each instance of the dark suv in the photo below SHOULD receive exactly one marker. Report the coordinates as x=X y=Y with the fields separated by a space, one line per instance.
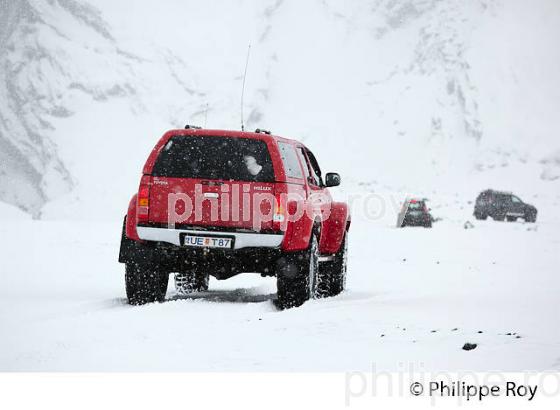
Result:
x=503 y=205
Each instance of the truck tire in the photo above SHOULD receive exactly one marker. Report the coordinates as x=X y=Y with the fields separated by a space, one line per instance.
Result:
x=294 y=289
x=335 y=270
x=191 y=281
x=499 y=216
x=145 y=284
x=511 y=218
x=531 y=217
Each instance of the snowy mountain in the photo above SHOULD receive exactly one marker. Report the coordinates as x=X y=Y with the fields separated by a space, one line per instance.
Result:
x=457 y=91
x=59 y=60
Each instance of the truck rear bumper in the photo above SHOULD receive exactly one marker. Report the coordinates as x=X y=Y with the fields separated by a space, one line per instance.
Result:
x=241 y=239
x=220 y=263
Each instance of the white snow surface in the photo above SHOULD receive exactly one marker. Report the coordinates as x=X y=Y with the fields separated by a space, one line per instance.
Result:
x=415 y=296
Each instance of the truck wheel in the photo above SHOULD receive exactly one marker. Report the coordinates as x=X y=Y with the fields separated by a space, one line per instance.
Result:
x=145 y=284
x=336 y=269
x=191 y=281
x=499 y=217
x=531 y=217
x=511 y=218
x=297 y=281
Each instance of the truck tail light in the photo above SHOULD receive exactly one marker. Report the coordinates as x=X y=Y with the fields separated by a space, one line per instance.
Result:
x=144 y=199
x=279 y=216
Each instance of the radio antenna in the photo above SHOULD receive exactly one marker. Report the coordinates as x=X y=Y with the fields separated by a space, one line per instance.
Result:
x=243 y=87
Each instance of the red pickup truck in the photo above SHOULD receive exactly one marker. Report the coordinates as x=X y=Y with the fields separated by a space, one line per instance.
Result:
x=217 y=202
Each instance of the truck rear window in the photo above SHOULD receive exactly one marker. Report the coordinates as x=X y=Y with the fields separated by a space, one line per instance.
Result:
x=416 y=206
x=209 y=157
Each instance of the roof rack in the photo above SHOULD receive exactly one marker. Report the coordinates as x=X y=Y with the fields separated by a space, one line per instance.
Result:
x=192 y=127
x=496 y=191
x=260 y=130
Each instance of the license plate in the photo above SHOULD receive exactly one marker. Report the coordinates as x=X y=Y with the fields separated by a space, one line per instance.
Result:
x=208 y=242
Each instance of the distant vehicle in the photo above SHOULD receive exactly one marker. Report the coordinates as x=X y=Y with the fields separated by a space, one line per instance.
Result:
x=218 y=202
x=503 y=205
x=414 y=212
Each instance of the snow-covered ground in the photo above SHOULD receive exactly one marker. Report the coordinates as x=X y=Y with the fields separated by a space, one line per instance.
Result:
x=414 y=297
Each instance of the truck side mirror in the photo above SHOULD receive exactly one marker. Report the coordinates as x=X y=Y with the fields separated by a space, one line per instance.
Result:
x=332 y=179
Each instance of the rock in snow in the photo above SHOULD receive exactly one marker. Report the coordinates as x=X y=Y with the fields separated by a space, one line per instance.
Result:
x=468 y=225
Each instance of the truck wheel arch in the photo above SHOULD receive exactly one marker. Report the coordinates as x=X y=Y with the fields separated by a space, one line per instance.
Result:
x=334 y=228
x=130 y=228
